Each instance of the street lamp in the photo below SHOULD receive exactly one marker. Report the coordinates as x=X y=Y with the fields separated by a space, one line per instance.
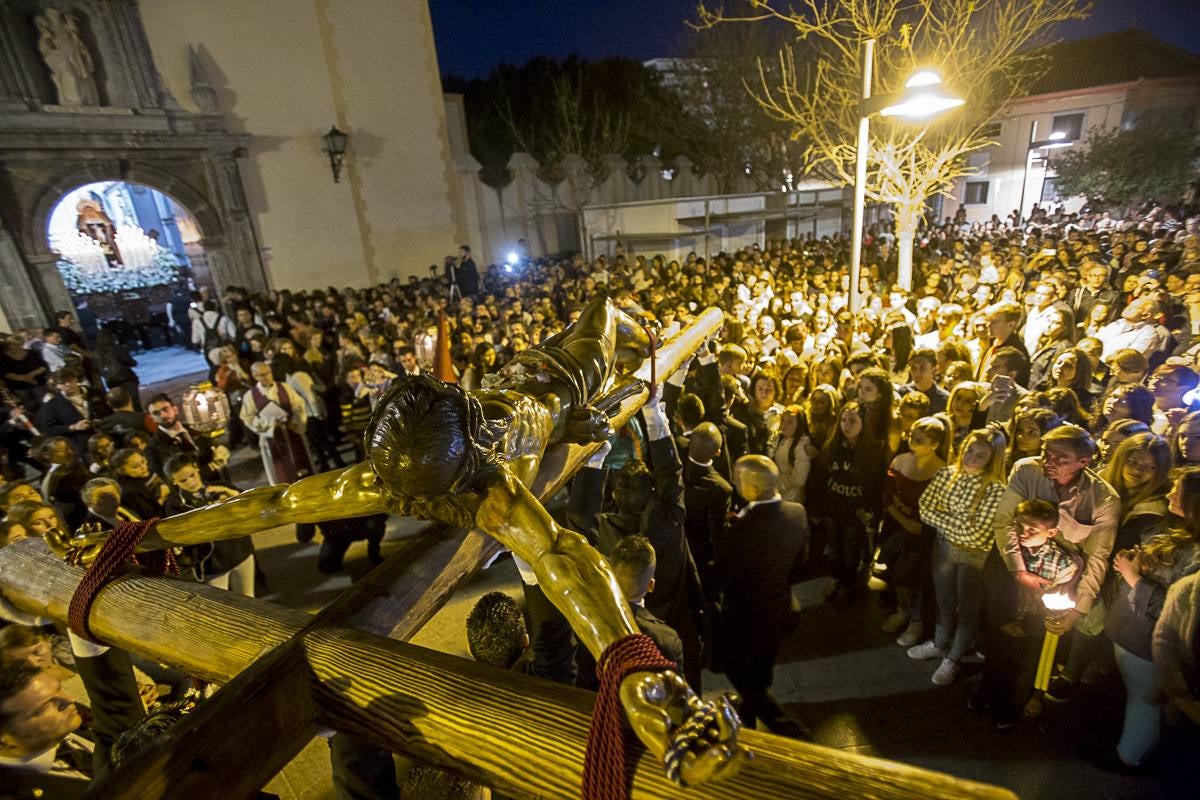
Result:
x=335 y=147
x=1054 y=141
x=923 y=98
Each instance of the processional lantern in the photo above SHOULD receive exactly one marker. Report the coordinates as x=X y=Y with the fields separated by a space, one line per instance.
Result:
x=205 y=409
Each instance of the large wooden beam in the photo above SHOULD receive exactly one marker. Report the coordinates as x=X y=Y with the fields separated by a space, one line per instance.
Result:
x=231 y=745
x=527 y=737
x=163 y=619
x=522 y=734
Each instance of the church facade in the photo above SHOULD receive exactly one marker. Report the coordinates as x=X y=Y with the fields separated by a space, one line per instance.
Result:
x=222 y=106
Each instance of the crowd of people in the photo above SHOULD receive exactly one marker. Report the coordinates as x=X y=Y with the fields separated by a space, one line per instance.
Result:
x=1011 y=448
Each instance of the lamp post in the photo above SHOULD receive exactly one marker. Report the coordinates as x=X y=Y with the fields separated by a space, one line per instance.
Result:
x=1054 y=141
x=922 y=98
x=335 y=147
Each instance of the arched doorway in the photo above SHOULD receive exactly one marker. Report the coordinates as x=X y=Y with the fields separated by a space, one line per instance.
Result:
x=131 y=257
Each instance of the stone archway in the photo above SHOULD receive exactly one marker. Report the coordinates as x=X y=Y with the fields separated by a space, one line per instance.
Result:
x=37 y=246
x=130 y=256
x=206 y=183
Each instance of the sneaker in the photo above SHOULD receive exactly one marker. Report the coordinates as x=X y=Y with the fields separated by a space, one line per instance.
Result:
x=912 y=634
x=896 y=622
x=946 y=672
x=1060 y=690
x=925 y=650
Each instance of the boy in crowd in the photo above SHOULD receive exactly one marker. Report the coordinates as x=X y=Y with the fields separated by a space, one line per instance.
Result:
x=1011 y=649
x=226 y=564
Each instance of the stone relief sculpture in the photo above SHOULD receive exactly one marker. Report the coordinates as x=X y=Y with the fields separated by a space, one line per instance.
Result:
x=200 y=87
x=71 y=66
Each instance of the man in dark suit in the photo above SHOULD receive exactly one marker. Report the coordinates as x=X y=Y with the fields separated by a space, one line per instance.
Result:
x=1095 y=290
x=1004 y=324
x=649 y=502
x=705 y=497
x=468 y=273
x=633 y=562
x=171 y=438
x=41 y=755
x=754 y=557
x=67 y=411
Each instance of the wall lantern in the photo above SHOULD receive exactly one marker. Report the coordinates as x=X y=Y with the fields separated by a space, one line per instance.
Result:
x=335 y=147
x=205 y=409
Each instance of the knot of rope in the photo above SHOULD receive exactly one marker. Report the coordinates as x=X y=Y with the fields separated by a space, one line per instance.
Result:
x=117 y=550
x=606 y=767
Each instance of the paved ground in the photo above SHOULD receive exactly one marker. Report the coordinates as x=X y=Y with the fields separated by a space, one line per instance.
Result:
x=857 y=689
x=169 y=369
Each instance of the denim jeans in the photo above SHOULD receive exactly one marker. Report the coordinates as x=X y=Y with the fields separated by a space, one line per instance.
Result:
x=1143 y=713
x=958 y=583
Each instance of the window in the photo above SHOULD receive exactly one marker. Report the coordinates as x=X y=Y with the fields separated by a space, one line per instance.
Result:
x=1050 y=191
x=976 y=193
x=1070 y=124
x=991 y=131
x=1176 y=118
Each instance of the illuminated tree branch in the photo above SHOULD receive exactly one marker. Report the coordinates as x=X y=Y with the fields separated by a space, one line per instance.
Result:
x=986 y=50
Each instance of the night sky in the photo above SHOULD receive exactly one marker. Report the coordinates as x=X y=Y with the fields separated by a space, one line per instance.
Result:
x=473 y=36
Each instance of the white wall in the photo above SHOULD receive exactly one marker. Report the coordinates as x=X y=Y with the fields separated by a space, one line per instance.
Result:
x=675 y=226
x=1003 y=166
x=286 y=71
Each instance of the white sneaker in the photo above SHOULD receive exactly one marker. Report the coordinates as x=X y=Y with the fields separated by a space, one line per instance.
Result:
x=912 y=634
x=926 y=650
x=946 y=672
x=895 y=622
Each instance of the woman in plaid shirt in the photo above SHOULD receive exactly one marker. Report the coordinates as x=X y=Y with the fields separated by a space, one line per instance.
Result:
x=960 y=504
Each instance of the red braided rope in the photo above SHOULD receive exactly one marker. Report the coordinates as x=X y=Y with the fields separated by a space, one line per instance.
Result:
x=117 y=549
x=606 y=767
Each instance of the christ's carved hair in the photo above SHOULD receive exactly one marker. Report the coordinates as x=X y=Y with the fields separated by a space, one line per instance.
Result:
x=428 y=439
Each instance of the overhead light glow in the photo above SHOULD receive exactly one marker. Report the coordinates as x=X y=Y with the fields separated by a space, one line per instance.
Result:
x=512 y=257
x=925 y=77
x=922 y=104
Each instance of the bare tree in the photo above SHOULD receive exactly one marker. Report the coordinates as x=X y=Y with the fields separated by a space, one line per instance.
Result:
x=986 y=50
x=721 y=126
x=571 y=144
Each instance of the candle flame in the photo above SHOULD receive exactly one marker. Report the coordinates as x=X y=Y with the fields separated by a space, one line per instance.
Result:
x=1057 y=601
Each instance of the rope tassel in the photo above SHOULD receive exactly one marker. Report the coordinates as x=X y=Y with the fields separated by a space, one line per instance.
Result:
x=606 y=768
x=118 y=548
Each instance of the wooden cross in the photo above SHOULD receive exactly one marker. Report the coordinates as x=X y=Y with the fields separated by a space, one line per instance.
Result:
x=290 y=676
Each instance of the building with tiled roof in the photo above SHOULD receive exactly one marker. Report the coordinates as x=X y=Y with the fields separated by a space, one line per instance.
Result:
x=1126 y=79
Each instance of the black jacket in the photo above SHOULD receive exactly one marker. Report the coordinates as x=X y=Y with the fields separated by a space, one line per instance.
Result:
x=755 y=556
x=706 y=498
x=162 y=446
x=55 y=418
x=207 y=559
x=668 y=641
x=120 y=423
x=677 y=583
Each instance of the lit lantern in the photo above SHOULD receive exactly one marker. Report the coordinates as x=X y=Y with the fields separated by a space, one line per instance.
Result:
x=205 y=409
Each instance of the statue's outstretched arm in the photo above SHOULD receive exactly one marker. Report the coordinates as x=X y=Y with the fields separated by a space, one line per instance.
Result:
x=697 y=742
x=351 y=492
x=573 y=575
